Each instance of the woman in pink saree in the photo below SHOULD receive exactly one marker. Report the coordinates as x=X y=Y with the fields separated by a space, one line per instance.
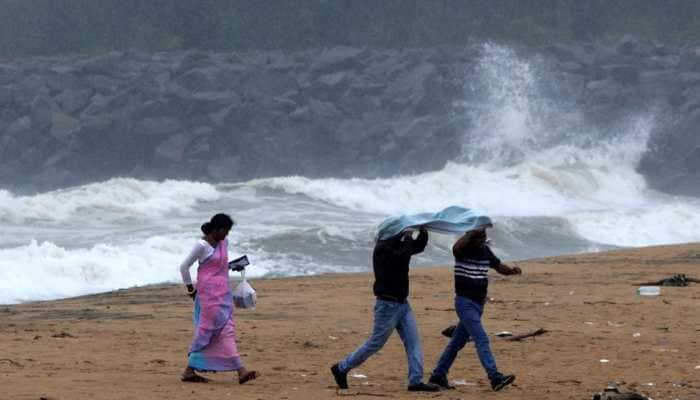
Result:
x=213 y=347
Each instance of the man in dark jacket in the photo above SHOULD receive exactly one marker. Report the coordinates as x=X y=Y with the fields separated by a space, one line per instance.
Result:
x=391 y=310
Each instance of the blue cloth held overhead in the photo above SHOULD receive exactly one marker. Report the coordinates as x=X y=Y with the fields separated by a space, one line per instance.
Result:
x=450 y=220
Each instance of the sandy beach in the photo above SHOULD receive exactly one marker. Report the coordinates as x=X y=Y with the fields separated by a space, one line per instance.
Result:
x=132 y=344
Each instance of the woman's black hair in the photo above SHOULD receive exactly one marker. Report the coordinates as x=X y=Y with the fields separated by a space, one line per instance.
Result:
x=218 y=221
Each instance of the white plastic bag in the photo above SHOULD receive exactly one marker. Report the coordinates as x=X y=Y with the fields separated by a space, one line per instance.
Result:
x=244 y=295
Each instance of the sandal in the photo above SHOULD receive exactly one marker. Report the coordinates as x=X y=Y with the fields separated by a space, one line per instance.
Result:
x=194 y=378
x=249 y=376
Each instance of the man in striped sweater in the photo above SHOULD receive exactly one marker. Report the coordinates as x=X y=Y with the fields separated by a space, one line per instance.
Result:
x=473 y=258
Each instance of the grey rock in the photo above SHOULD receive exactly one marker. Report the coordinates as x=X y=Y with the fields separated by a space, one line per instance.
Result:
x=102 y=83
x=22 y=124
x=324 y=110
x=351 y=131
x=41 y=112
x=335 y=79
x=71 y=101
x=174 y=147
x=336 y=59
x=9 y=73
x=301 y=113
x=28 y=88
x=410 y=87
x=199 y=80
x=624 y=74
x=665 y=62
x=632 y=46
x=230 y=76
x=692 y=161
x=689 y=78
x=605 y=90
x=203 y=131
x=692 y=101
x=6 y=96
x=203 y=103
x=224 y=168
x=59 y=82
x=62 y=125
x=117 y=65
x=97 y=105
x=98 y=122
x=8 y=115
x=656 y=84
x=218 y=118
x=191 y=60
x=158 y=126
x=267 y=84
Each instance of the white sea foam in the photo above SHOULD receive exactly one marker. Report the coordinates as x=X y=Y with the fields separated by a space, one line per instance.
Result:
x=113 y=199
x=47 y=271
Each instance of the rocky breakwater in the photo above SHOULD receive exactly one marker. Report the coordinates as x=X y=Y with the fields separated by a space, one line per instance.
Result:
x=326 y=112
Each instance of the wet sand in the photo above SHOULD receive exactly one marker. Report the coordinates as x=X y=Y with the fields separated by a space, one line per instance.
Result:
x=131 y=344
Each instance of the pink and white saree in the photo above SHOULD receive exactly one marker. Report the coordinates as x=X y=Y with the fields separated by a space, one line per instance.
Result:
x=214 y=343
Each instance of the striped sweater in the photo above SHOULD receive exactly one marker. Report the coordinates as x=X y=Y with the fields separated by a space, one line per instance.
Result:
x=471 y=272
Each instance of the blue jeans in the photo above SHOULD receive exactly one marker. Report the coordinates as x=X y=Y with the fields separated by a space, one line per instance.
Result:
x=387 y=317
x=469 y=313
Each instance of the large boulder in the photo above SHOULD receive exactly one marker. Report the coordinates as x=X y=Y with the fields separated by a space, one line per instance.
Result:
x=336 y=59
x=625 y=74
x=73 y=100
x=9 y=74
x=173 y=148
x=41 y=112
x=62 y=125
x=630 y=45
x=158 y=126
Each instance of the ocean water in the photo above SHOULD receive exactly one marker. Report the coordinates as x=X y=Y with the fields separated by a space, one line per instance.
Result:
x=551 y=183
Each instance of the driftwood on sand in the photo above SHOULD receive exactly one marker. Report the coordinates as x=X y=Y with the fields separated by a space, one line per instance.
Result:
x=675 y=280
x=516 y=338
x=449 y=331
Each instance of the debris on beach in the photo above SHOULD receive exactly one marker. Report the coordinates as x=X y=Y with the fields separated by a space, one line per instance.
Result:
x=310 y=344
x=349 y=392
x=649 y=290
x=677 y=280
x=517 y=338
x=63 y=335
x=462 y=382
x=506 y=335
x=613 y=393
x=11 y=362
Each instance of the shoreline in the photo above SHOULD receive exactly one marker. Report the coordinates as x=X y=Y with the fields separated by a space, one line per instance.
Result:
x=132 y=343
x=264 y=278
